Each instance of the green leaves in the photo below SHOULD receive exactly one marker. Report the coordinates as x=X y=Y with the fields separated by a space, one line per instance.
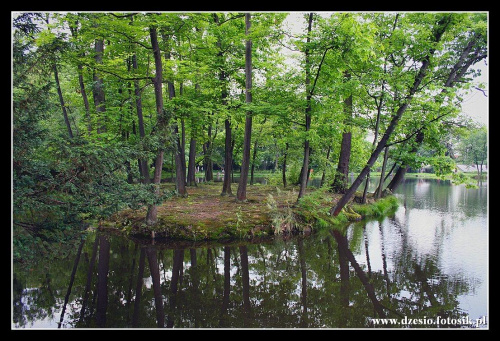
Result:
x=373 y=57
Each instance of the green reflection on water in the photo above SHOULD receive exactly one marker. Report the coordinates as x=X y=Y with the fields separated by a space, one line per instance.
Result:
x=391 y=267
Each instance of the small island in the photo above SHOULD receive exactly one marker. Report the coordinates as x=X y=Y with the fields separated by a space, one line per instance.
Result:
x=269 y=210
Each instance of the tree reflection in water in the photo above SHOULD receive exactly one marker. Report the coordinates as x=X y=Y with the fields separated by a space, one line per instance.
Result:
x=313 y=282
x=419 y=263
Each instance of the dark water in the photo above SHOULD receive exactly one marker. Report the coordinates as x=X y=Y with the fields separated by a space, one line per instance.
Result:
x=428 y=262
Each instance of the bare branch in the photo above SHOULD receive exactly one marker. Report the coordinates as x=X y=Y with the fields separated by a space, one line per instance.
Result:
x=482 y=90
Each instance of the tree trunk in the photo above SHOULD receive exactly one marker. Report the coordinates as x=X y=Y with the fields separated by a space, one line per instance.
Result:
x=191 y=172
x=74 y=33
x=180 y=158
x=305 y=162
x=398 y=178
x=180 y=168
x=228 y=150
x=207 y=160
x=228 y=160
x=99 y=98
x=378 y=192
x=323 y=174
x=365 y=190
x=242 y=186
x=143 y=163
x=304 y=174
x=401 y=172
x=341 y=179
x=284 y=165
x=151 y=216
x=85 y=98
x=183 y=147
x=61 y=101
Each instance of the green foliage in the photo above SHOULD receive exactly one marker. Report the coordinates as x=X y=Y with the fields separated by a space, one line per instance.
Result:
x=459 y=178
x=442 y=165
x=473 y=146
x=373 y=57
x=379 y=208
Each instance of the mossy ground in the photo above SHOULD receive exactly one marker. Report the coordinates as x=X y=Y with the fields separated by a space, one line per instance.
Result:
x=207 y=215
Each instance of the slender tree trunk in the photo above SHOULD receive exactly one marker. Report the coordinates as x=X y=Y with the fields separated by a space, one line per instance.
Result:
x=85 y=99
x=324 y=170
x=242 y=186
x=61 y=101
x=207 y=161
x=151 y=216
x=228 y=160
x=180 y=158
x=305 y=162
x=180 y=168
x=99 y=98
x=228 y=150
x=74 y=33
x=284 y=165
x=378 y=193
x=183 y=138
x=191 y=172
x=143 y=163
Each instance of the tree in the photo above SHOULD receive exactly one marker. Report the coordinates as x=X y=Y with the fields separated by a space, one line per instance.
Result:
x=474 y=150
x=245 y=163
x=441 y=24
x=398 y=76
x=151 y=216
x=309 y=93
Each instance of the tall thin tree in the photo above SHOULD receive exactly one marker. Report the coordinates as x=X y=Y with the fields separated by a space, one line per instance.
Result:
x=242 y=186
x=152 y=214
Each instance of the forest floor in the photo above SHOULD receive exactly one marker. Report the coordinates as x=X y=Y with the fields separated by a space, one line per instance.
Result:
x=207 y=215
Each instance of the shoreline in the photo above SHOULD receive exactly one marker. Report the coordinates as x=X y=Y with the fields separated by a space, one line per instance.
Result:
x=205 y=215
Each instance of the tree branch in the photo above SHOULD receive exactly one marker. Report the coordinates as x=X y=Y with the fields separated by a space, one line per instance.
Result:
x=418 y=130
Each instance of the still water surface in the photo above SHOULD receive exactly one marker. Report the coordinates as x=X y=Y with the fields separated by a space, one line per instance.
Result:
x=428 y=261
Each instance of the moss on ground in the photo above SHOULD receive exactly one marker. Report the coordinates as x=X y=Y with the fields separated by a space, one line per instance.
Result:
x=269 y=210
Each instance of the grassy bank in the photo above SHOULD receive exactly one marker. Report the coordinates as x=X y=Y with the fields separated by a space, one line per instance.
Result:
x=270 y=210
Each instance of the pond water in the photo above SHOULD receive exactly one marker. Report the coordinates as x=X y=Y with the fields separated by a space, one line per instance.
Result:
x=424 y=265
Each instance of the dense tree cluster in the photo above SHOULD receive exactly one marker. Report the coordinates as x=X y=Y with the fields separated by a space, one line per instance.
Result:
x=105 y=104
